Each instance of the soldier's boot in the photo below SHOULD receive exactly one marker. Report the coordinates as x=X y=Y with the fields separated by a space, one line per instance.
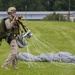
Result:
x=5 y=67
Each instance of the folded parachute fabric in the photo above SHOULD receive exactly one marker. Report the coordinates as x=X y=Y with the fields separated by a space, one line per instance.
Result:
x=48 y=57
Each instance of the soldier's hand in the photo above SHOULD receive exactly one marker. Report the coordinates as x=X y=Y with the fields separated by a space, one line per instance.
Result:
x=16 y=18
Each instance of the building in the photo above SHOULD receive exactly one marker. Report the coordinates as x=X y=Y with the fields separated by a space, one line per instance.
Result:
x=36 y=15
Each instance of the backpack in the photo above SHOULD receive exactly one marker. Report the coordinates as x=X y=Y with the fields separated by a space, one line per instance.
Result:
x=2 y=30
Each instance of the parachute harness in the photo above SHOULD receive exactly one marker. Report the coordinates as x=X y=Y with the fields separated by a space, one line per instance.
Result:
x=21 y=40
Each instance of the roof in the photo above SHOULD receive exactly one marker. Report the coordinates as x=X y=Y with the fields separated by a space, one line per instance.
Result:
x=38 y=12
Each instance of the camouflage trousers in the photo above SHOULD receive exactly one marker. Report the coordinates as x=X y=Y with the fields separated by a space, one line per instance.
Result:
x=13 y=56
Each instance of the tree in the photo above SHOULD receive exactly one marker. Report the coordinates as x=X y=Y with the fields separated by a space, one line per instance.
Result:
x=48 y=4
x=60 y=5
x=35 y=5
x=72 y=5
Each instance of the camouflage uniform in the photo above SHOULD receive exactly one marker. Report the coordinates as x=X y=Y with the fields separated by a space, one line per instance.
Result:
x=11 y=39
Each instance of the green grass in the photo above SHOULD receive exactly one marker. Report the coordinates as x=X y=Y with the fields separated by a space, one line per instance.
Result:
x=56 y=37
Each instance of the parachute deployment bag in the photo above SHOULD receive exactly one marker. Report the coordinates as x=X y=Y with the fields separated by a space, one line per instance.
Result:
x=2 y=30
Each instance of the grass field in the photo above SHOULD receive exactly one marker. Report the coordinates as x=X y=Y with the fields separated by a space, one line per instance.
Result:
x=48 y=37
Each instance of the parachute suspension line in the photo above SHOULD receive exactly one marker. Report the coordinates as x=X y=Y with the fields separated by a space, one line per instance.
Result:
x=35 y=47
x=38 y=46
x=50 y=45
x=45 y=46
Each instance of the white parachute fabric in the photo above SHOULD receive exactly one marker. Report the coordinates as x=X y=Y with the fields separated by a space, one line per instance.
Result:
x=26 y=56
x=48 y=57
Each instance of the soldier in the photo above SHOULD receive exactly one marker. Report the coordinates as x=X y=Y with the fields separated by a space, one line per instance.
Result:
x=12 y=32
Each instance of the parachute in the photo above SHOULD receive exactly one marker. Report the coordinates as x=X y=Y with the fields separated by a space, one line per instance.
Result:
x=2 y=30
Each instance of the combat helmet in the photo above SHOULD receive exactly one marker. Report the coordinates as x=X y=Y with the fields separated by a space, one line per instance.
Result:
x=11 y=9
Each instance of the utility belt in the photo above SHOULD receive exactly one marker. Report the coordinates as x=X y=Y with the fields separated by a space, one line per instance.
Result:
x=15 y=30
x=10 y=37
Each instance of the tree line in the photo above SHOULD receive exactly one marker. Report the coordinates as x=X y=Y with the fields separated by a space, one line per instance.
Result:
x=38 y=5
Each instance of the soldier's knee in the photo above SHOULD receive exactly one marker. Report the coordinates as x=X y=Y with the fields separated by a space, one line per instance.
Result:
x=14 y=54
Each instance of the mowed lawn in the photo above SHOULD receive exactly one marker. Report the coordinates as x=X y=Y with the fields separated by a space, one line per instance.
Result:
x=48 y=37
